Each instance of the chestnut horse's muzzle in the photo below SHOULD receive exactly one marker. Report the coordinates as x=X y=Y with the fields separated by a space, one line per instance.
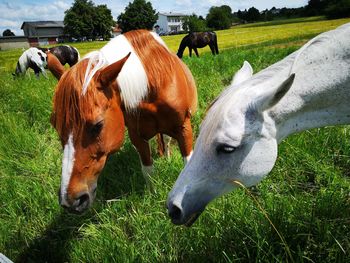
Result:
x=80 y=203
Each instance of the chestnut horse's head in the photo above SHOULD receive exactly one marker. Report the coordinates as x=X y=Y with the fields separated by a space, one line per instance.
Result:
x=90 y=125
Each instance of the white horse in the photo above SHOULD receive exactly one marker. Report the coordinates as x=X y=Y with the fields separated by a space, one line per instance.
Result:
x=32 y=58
x=239 y=136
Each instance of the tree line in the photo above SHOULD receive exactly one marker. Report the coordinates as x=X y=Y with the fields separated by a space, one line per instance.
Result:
x=85 y=20
x=329 y=8
x=222 y=17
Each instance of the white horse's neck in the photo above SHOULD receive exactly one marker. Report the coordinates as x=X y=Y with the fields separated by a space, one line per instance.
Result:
x=320 y=94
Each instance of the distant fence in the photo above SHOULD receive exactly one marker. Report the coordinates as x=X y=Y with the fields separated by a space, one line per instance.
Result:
x=13 y=42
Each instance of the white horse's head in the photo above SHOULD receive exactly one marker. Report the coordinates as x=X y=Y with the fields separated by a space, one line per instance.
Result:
x=38 y=57
x=237 y=142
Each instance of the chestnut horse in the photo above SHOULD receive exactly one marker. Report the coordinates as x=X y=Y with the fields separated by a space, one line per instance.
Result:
x=196 y=40
x=133 y=81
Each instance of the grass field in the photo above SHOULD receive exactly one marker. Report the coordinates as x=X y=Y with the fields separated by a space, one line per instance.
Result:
x=306 y=196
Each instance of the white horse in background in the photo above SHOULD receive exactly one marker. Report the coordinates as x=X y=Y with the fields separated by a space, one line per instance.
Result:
x=239 y=136
x=33 y=58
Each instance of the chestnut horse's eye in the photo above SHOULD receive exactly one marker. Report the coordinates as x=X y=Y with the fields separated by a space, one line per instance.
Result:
x=96 y=128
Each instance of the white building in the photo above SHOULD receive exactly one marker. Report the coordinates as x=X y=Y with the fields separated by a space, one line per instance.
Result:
x=169 y=23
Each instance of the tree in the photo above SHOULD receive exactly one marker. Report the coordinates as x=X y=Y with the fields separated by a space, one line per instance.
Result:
x=316 y=7
x=253 y=14
x=138 y=15
x=193 y=23
x=103 y=21
x=338 y=9
x=266 y=15
x=7 y=33
x=78 y=19
x=219 y=17
x=84 y=19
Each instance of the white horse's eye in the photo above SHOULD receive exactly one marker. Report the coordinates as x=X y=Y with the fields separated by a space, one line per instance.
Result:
x=225 y=148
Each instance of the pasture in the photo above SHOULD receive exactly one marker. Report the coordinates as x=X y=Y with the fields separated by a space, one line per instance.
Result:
x=306 y=196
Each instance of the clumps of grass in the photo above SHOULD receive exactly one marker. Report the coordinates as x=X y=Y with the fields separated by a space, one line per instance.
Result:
x=305 y=197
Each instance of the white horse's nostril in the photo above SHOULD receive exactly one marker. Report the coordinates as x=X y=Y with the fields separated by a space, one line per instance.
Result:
x=175 y=213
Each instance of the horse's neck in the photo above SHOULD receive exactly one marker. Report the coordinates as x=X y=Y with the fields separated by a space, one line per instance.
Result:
x=182 y=46
x=320 y=93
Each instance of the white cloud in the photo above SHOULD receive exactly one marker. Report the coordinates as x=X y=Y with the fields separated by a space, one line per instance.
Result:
x=61 y=5
x=8 y=23
x=183 y=3
x=13 y=15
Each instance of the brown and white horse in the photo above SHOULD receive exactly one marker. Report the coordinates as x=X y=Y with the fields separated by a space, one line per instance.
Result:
x=135 y=81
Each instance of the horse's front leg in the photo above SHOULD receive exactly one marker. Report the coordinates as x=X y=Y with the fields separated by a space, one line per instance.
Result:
x=196 y=51
x=190 y=51
x=184 y=138
x=142 y=146
x=212 y=48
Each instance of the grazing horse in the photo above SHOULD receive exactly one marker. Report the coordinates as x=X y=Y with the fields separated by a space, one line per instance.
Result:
x=66 y=54
x=238 y=140
x=35 y=58
x=196 y=40
x=133 y=81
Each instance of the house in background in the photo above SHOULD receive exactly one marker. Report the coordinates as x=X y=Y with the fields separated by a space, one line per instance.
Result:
x=169 y=23
x=41 y=33
x=116 y=30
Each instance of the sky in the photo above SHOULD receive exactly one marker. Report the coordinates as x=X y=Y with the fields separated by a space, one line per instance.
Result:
x=14 y=12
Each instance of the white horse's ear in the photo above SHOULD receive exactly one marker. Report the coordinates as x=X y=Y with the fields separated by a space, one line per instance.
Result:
x=246 y=72
x=273 y=96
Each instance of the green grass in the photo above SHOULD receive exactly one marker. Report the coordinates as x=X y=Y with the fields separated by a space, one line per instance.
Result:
x=306 y=196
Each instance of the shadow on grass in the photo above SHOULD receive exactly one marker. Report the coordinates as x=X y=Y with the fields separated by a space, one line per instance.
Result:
x=53 y=245
x=121 y=176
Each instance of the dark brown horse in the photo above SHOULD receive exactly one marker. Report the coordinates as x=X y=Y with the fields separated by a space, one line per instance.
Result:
x=66 y=54
x=196 y=40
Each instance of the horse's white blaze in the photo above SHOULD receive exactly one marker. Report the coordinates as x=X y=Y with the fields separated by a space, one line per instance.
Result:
x=132 y=79
x=67 y=167
x=310 y=88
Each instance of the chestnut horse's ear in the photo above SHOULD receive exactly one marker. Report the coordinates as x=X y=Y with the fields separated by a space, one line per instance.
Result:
x=54 y=65
x=110 y=73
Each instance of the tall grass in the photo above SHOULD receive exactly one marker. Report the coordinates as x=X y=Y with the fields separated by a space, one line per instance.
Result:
x=306 y=196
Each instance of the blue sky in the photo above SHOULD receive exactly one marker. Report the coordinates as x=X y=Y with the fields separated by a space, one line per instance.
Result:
x=14 y=12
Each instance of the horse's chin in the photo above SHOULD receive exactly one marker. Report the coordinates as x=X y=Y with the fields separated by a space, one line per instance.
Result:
x=193 y=218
